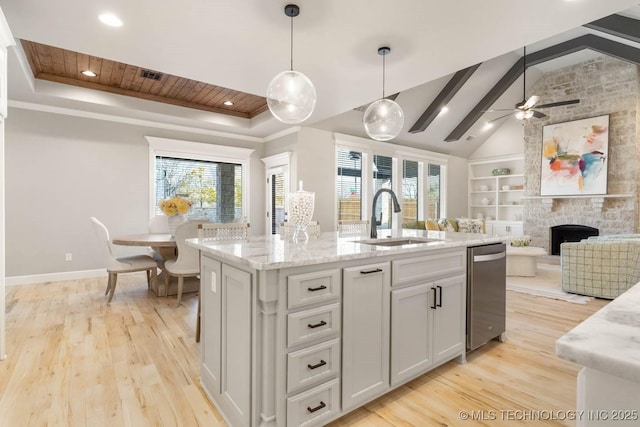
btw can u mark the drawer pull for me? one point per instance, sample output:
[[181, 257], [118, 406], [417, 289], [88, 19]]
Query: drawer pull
[[440, 296], [317, 408], [435, 296], [319, 288], [317, 325], [375, 270], [316, 366]]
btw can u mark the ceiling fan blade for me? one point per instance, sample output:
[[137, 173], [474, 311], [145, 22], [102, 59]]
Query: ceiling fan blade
[[559, 103], [538, 114], [530, 102], [493, 111], [498, 118]]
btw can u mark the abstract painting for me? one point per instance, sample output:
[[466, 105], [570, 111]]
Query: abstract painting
[[574, 157]]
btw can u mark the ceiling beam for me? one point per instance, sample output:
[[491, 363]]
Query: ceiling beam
[[443, 98], [617, 25], [588, 41]]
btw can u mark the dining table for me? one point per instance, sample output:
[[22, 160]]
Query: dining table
[[165, 245]]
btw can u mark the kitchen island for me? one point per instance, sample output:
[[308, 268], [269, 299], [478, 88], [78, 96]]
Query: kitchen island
[[303, 333], [607, 345]]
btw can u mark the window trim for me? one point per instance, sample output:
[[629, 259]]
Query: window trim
[[369, 148], [189, 150]]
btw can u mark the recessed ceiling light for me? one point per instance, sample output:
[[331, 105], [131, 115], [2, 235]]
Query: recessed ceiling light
[[444, 109], [487, 126], [110, 19], [228, 103], [88, 73]]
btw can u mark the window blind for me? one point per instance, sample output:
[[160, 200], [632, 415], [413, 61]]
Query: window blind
[[349, 185]]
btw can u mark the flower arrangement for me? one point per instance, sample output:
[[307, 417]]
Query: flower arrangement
[[520, 242], [175, 206]]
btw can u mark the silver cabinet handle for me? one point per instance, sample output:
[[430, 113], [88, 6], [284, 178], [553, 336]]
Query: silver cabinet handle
[[490, 257]]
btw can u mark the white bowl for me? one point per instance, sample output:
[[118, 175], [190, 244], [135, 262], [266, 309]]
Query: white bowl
[[506, 187]]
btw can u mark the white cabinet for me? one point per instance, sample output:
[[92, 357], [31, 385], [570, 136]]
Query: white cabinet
[[504, 228], [427, 326], [365, 343], [226, 346], [496, 187]]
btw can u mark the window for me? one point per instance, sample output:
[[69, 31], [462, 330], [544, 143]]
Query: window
[[215, 189], [349, 185], [213, 177], [415, 176]]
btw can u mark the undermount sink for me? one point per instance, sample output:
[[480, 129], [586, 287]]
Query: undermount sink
[[398, 241]]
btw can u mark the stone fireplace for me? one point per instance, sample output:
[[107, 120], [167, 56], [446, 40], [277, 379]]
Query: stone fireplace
[[568, 233], [604, 85]]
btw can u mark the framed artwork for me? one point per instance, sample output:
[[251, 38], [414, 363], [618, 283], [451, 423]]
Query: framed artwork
[[574, 157]]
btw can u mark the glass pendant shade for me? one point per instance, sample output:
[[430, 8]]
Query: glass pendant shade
[[383, 119], [291, 97]]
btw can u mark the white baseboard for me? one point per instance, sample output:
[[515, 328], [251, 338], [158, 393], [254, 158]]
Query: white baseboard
[[54, 277]]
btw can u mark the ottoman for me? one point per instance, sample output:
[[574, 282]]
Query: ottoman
[[522, 260]]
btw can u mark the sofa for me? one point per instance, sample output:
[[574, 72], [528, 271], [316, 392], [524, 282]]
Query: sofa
[[465, 225], [601, 267]]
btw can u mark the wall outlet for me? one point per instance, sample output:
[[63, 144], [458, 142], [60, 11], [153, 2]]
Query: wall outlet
[[68, 257]]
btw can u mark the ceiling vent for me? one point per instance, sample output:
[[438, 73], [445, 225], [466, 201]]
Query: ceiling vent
[[150, 75], [471, 137]]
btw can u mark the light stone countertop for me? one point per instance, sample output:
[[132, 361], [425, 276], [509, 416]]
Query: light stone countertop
[[609, 340], [271, 252]]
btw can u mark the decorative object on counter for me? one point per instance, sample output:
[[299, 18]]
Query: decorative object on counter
[[300, 212], [383, 119], [485, 201], [291, 96], [506, 187], [175, 208], [501, 171], [520, 242], [288, 229], [226, 231], [484, 187]]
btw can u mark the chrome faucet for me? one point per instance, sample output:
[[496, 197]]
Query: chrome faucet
[[396, 209]]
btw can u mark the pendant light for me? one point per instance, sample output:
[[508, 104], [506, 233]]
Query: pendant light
[[384, 118], [291, 96]]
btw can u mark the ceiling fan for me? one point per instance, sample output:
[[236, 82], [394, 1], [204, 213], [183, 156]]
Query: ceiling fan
[[525, 108]]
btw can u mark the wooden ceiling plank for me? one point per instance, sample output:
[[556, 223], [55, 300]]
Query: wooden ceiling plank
[[211, 95], [168, 84], [177, 87], [104, 74], [44, 56], [128, 77], [203, 93], [95, 65], [70, 64], [32, 56], [195, 91], [117, 74], [138, 80], [57, 59], [82, 63], [186, 90], [221, 96], [157, 85], [442, 99], [147, 84]]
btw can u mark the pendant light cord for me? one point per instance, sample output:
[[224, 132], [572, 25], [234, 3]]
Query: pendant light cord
[[291, 54], [524, 75], [383, 73]]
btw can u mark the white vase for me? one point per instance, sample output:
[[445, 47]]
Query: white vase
[[300, 213], [174, 221]]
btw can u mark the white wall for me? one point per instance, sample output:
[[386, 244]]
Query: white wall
[[457, 187], [60, 170], [507, 140]]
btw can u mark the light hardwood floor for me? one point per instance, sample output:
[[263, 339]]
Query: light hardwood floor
[[74, 361]]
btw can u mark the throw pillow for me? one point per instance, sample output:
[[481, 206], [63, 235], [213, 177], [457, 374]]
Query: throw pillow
[[432, 225], [445, 225], [467, 225]]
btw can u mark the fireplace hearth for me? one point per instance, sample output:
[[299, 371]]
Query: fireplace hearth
[[568, 233]]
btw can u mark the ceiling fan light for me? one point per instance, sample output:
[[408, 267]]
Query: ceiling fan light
[[524, 114], [291, 97], [383, 120]]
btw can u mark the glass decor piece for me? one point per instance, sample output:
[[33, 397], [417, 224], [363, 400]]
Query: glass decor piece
[[300, 212]]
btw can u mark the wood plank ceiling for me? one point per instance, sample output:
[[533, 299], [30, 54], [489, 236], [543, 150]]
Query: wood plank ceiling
[[65, 66]]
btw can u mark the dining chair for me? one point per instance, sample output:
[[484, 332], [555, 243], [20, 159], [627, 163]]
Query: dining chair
[[353, 227], [127, 264], [220, 232], [187, 264]]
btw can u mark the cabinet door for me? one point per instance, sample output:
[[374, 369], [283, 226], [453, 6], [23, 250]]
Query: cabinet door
[[235, 337], [411, 326], [365, 343], [449, 318], [210, 323]]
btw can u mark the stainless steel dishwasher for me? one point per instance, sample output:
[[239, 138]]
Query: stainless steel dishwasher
[[486, 293]]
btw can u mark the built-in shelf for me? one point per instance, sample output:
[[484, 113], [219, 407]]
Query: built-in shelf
[[502, 191]]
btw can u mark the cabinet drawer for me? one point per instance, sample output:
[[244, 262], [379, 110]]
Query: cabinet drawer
[[319, 286], [312, 324], [313, 365], [312, 407], [428, 267]]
